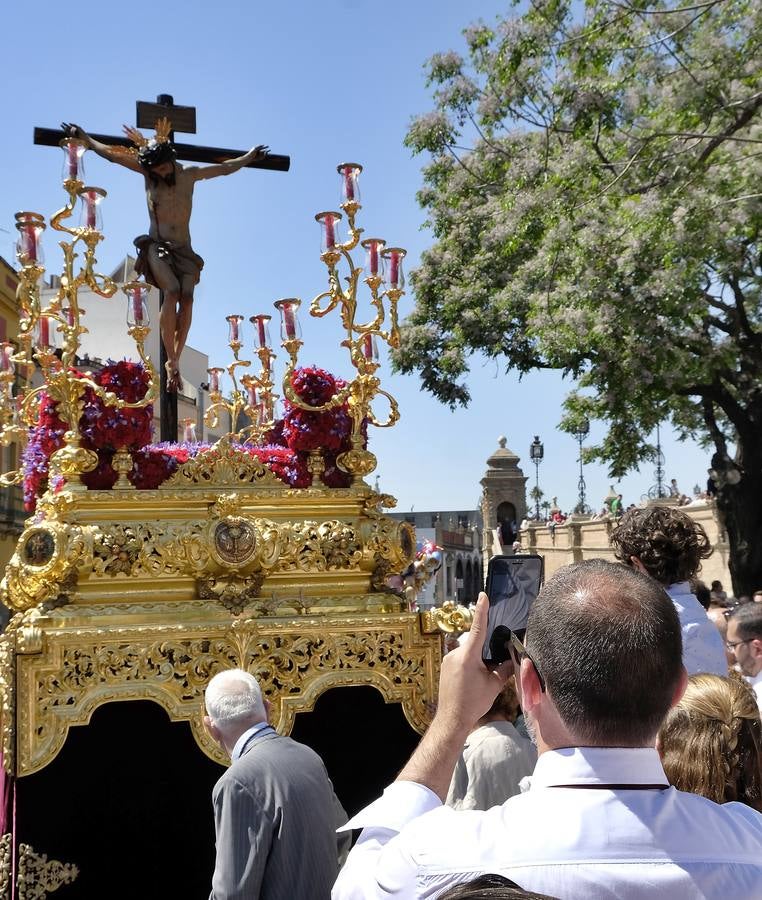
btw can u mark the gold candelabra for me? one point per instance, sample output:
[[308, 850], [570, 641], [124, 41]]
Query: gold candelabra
[[39, 327], [385, 282], [254, 396]]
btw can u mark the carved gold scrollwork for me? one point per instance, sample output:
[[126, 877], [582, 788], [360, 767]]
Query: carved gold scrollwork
[[8, 701], [224, 467], [117, 549], [6, 866], [44, 567], [389, 543], [294, 659], [235, 593], [449, 618], [38, 876]]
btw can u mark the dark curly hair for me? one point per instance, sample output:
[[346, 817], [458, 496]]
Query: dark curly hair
[[668, 542]]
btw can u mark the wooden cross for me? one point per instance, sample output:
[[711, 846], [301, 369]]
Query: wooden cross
[[183, 119]]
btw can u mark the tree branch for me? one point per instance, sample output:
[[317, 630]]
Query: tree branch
[[714, 429], [740, 308], [746, 116], [665, 12]]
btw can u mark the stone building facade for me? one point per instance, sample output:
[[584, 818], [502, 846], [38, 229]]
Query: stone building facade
[[504, 499], [459, 534]]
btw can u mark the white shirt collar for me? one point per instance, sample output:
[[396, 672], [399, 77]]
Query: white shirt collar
[[244, 739], [598, 765]]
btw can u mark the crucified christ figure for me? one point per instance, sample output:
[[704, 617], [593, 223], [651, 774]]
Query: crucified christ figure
[[165, 256]]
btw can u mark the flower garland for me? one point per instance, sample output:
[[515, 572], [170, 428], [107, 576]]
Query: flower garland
[[106, 429]]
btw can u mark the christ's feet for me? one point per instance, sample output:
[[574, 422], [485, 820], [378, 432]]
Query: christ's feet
[[174, 379]]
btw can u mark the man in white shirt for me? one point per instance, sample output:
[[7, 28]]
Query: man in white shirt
[[668, 545], [745, 641], [601, 669]]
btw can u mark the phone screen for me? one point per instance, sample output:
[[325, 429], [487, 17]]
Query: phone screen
[[513, 583]]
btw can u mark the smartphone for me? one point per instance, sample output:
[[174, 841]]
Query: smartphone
[[513, 583]]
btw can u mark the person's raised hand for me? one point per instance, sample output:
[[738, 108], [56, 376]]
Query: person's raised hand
[[466, 686]]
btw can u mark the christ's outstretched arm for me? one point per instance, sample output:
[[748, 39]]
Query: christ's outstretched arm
[[114, 154], [230, 165]]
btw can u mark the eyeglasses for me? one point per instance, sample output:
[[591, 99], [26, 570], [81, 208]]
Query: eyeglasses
[[521, 651], [731, 645]]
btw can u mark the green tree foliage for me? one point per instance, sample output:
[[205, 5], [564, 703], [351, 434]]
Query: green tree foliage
[[594, 195]]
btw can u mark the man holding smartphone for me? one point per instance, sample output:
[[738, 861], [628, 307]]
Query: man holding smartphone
[[601, 668]]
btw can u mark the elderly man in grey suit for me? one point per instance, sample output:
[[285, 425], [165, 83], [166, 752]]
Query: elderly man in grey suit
[[275, 811]]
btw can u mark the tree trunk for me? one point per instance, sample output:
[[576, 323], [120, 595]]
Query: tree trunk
[[739, 503]]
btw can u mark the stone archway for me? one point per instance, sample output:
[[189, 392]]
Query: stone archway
[[506, 523]]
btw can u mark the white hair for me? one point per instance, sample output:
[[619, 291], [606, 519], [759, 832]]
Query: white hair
[[233, 698]]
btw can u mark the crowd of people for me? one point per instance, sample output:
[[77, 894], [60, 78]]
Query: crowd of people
[[613, 506], [643, 776]]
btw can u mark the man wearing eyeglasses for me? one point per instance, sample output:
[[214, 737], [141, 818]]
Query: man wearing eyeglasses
[[600, 668], [745, 641]]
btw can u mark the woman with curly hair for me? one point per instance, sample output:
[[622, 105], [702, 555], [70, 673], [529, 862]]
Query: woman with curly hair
[[668, 545], [710, 742]]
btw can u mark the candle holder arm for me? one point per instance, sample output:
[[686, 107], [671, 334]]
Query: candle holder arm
[[73, 189], [335, 295], [394, 411], [291, 395]]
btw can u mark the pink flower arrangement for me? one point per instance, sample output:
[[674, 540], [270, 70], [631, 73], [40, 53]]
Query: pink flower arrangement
[[106, 429]]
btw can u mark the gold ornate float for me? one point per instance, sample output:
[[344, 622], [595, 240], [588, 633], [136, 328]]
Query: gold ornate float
[[128, 593]]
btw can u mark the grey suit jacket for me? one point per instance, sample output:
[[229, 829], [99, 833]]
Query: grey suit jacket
[[276, 816]]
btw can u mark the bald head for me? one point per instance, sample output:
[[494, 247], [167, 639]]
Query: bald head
[[607, 641]]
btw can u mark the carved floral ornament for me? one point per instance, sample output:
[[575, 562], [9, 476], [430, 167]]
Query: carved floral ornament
[[295, 661], [224, 546]]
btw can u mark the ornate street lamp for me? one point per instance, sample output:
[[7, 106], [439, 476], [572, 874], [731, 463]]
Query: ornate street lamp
[[580, 433], [536, 454], [658, 491]]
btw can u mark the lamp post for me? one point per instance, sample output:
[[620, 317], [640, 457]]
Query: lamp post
[[536, 454], [581, 432], [658, 491]]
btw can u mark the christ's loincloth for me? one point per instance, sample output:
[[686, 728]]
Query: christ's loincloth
[[181, 258]]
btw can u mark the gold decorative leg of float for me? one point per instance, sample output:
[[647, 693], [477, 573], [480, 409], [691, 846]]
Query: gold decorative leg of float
[[6, 866], [38, 875]]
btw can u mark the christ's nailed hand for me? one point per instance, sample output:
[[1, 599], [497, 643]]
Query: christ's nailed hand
[[71, 130]]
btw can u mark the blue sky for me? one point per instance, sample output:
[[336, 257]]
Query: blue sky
[[325, 83]]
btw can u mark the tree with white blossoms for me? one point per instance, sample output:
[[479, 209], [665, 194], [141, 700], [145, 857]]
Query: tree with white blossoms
[[594, 195]]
